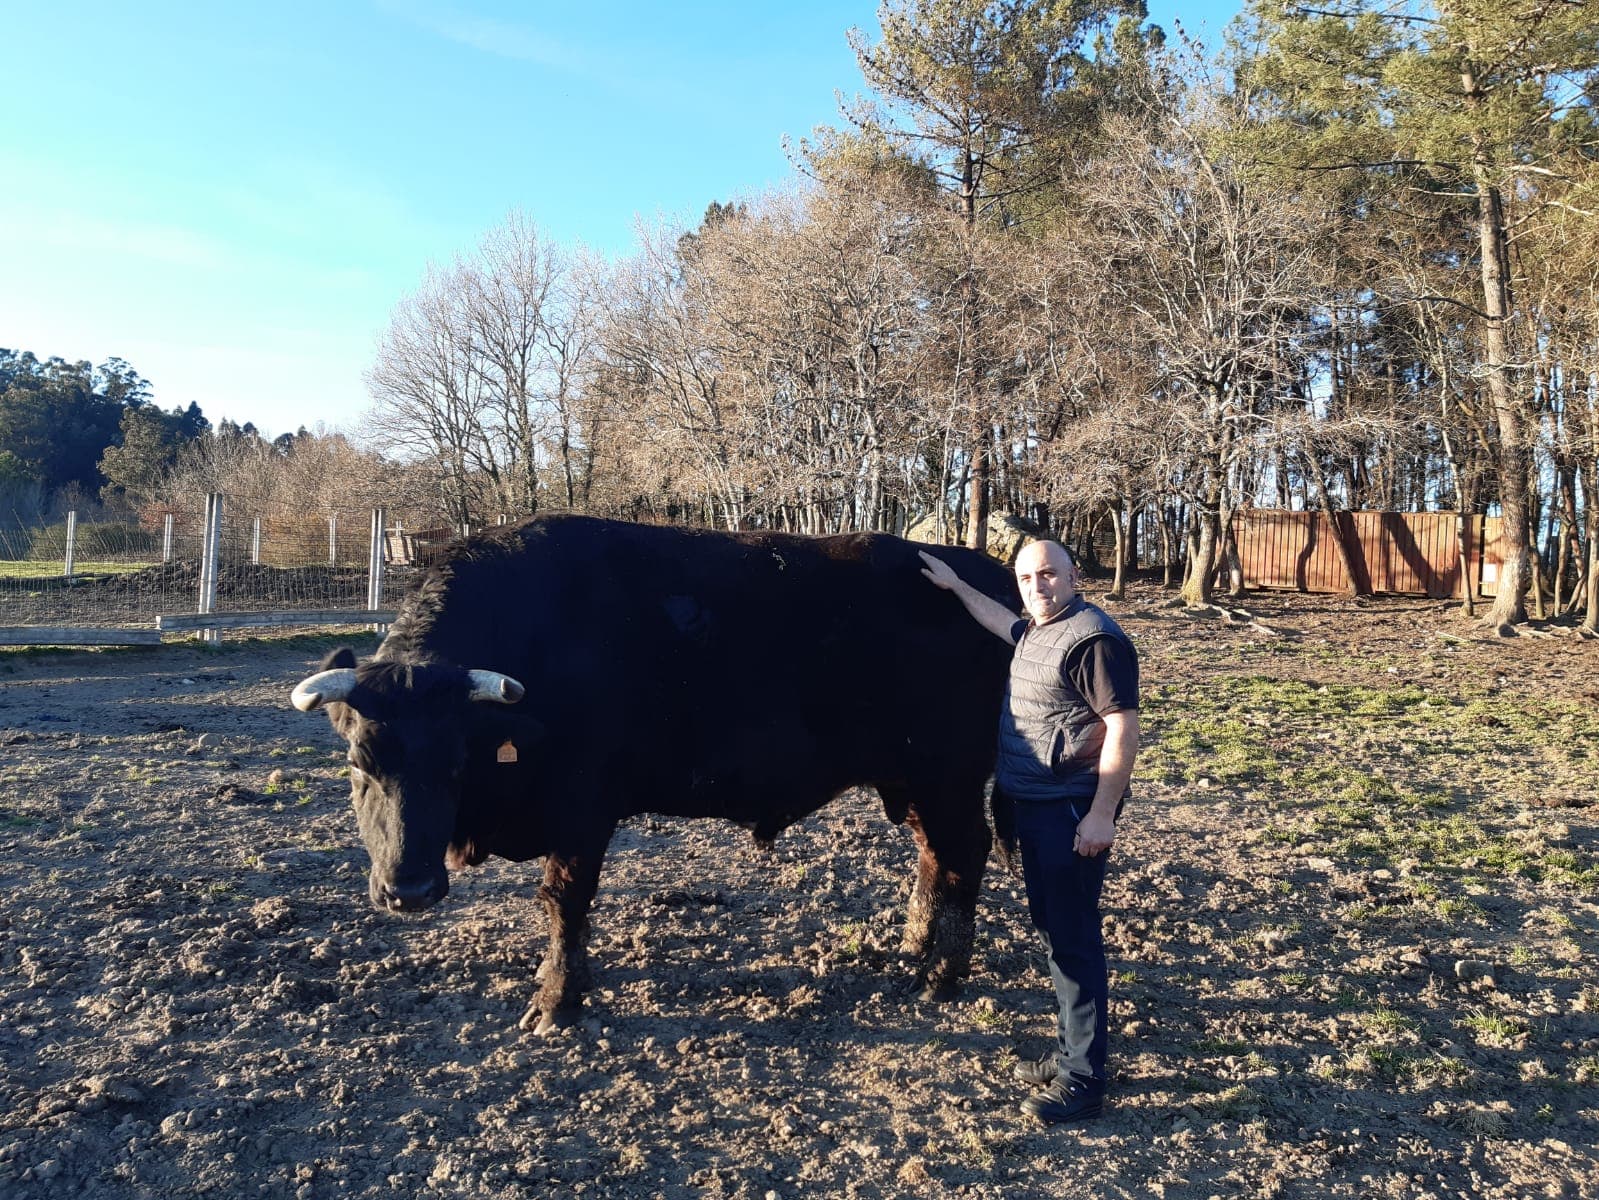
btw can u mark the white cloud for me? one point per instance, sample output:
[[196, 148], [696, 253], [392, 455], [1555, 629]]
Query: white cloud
[[169, 245], [491, 36]]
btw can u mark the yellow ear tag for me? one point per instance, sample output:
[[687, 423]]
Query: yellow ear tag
[[506, 753]]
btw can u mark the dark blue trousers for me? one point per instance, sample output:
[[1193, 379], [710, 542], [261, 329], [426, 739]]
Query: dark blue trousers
[[1063, 891]]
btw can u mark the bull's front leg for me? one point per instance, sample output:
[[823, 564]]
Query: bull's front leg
[[570, 881], [918, 939]]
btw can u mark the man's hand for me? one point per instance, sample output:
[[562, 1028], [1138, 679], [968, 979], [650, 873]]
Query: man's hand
[[1095, 832], [990, 614], [939, 572]]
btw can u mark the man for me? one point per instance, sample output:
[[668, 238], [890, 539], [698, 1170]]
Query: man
[[1068, 736]]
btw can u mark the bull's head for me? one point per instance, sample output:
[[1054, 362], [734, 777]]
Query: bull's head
[[410, 729]]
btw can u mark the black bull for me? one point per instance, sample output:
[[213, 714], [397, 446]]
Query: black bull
[[631, 669]]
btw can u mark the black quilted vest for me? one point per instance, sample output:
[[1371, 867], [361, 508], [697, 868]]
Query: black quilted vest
[[1049, 739]]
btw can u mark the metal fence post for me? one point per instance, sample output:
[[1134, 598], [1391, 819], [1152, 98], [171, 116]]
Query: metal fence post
[[333, 539], [374, 567], [166, 539], [255, 542], [72, 541], [210, 553]]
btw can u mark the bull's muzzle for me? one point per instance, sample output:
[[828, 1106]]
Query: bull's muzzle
[[409, 895]]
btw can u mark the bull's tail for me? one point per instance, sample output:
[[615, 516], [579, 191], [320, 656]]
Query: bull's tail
[[1003, 809]]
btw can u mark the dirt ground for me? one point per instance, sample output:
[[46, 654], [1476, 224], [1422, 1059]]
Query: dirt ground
[[1354, 953]]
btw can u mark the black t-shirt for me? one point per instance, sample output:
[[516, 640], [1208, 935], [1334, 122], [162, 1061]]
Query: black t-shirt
[[1103, 669]]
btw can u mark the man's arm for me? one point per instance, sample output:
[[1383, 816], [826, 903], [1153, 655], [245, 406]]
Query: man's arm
[[990, 614], [1097, 830]]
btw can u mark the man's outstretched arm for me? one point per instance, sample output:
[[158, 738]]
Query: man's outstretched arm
[[990, 614]]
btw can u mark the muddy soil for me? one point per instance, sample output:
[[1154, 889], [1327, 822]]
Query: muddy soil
[[196, 998]]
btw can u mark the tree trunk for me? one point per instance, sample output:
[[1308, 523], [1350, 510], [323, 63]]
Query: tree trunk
[[1234, 564], [977, 507], [1340, 541], [1202, 555], [1165, 548], [1514, 457], [1590, 479], [1468, 599], [1118, 586]]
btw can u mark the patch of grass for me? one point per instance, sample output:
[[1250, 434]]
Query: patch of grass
[[1389, 1024], [1357, 913], [991, 1019], [1455, 910], [975, 1150], [851, 937], [1226, 751], [1237, 1103], [1439, 1072], [1495, 1030], [630, 1160], [1347, 998], [1554, 918], [1219, 1045]]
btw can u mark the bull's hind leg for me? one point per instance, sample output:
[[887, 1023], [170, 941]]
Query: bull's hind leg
[[952, 841], [570, 881]]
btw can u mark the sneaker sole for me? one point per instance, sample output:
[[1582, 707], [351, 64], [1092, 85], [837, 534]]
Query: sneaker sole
[[1059, 1118]]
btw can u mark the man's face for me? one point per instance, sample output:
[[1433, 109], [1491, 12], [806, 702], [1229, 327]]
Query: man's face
[[1047, 579]]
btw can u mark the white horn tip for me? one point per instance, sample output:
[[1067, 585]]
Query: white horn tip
[[495, 687], [322, 688]]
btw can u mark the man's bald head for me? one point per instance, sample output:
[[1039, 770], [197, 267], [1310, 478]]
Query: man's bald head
[[1047, 578]]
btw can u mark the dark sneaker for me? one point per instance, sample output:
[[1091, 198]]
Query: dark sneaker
[[1037, 1072], [1065, 1100]]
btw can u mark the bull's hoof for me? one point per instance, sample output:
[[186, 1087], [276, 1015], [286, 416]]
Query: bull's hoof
[[541, 1023], [936, 992]]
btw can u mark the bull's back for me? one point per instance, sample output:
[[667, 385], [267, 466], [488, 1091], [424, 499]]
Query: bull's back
[[746, 647]]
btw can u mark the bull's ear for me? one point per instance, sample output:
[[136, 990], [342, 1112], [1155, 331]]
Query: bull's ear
[[341, 716], [343, 719], [342, 658]]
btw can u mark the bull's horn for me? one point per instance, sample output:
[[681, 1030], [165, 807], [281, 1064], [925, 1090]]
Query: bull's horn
[[491, 685], [323, 688]]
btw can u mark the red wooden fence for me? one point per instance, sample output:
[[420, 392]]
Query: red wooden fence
[[1399, 553]]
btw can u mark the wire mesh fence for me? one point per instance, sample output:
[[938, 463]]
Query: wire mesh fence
[[128, 573]]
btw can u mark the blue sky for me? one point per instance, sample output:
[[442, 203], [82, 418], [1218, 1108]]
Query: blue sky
[[233, 197]]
